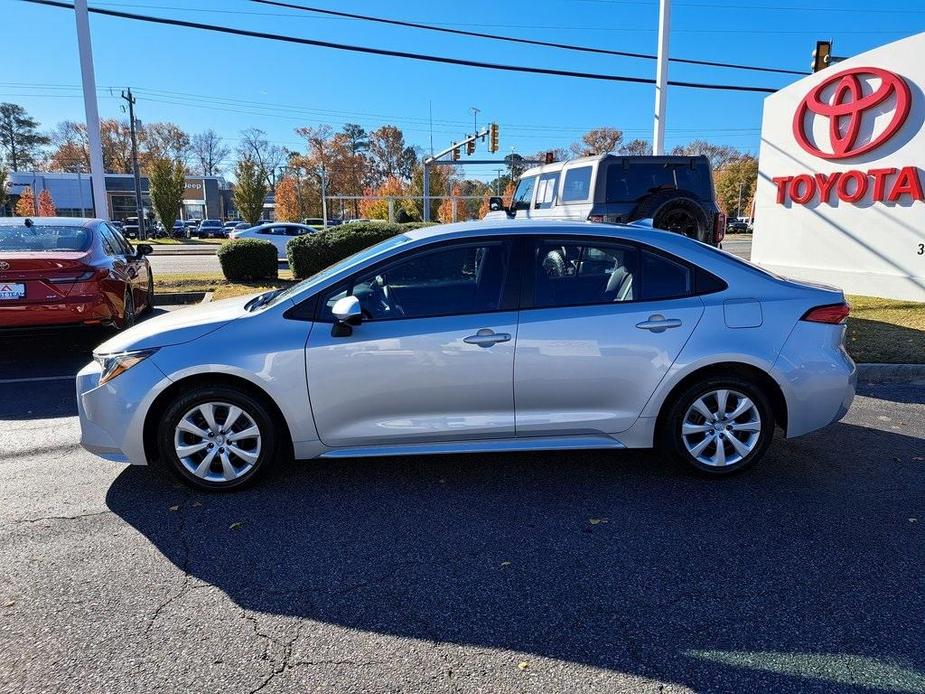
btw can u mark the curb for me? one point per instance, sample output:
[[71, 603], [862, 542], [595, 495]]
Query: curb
[[189, 250], [179, 298], [892, 373]]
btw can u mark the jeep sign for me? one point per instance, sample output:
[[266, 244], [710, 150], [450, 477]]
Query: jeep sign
[[841, 186]]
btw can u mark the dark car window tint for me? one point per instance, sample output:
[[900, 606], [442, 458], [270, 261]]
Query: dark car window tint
[[124, 246], [109, 242], [547, 190], [664, 278], [41, 237], [523, 195], [577, 184], [630, 182], [570, 273], [451, 281]]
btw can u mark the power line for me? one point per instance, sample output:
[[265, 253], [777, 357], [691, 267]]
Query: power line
[[401, 54], [515, 39], [784, 8]]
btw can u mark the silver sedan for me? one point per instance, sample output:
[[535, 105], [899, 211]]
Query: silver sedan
[[490, 336], [277, 233]]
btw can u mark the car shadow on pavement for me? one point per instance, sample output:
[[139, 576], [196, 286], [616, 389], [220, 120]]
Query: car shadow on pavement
[[803, 574]]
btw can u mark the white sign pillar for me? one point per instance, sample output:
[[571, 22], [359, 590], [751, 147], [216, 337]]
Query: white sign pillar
[[92, 111], [661, 76]]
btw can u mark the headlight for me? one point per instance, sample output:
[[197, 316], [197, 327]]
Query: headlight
[[115, 364]]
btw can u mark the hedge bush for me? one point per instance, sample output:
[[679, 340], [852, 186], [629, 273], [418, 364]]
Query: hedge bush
[[248, 259], [313, 252]]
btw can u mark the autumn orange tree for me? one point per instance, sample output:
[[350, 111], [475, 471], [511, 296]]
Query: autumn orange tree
[[25, 206], [287, 201], [509, 194], [378, 207], [46, 205], [484, 208]]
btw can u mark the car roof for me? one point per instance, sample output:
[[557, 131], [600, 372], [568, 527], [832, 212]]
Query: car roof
[[86, 222]]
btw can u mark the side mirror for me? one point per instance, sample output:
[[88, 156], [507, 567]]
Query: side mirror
[[495, 204], [143, 249], [347, 312]]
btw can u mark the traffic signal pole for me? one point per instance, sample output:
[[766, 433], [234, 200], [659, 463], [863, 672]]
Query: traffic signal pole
[[491, 131], [661, 77]]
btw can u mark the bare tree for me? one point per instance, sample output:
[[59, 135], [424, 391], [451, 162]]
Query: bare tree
[[636, 148], [165, 141], [209, 153], [598, 141], [256, 148], [719, 155]]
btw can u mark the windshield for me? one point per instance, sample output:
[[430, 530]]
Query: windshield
[[41, 237], [211, 223], [331, 270]]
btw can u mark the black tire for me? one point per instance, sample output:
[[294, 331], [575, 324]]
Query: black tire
[[186, 402], [676, 211], [671, 440], [149, 295], [128, 311]]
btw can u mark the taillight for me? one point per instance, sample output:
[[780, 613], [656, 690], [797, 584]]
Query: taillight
[[69, 279], [719, 228], [596, 218], [832, 313]]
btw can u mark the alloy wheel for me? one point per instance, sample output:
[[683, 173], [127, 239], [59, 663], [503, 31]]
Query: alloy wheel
[[721, 428], [217, 441]]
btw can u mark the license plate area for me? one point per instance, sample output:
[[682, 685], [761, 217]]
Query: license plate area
[[11, 291]]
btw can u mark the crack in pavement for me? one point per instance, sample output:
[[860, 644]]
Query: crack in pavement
[[281, 667], [61, 518], [184, 567]]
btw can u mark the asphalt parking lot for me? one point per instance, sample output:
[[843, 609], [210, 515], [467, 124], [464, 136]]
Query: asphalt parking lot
[[565, 572]]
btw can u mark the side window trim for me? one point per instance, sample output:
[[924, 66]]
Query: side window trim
[[511, 291]]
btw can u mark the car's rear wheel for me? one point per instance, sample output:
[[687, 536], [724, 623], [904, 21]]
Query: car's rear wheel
[[128, 311], [217, 438], [719, 426]]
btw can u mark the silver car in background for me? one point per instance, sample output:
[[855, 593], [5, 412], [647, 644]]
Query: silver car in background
[[486, 336], [277, 233]]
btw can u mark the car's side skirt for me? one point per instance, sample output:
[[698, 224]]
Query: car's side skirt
[[531, 443]]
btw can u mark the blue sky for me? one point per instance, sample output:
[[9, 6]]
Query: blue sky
[[203, 80]]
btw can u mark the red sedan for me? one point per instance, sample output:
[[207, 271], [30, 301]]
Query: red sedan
[[67, 271]]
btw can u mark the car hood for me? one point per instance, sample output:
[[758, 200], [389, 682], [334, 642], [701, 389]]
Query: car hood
[[177, 327]]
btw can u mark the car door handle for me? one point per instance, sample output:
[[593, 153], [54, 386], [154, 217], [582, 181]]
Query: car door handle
[[486, 337], [657, 323]]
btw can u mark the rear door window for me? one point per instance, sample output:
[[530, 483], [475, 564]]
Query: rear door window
[[664, 278], [577, 185]]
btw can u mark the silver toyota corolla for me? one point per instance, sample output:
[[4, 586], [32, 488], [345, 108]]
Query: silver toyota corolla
[[491, 336]]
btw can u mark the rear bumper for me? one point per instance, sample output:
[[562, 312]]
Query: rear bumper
[[80, 310], [819, 384]]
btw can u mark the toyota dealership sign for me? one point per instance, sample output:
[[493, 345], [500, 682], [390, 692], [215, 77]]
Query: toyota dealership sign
[[840, 187]]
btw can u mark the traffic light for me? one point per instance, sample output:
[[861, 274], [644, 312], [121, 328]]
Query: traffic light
[[493, 138], [455, 154], [470, 148], [822, 56]]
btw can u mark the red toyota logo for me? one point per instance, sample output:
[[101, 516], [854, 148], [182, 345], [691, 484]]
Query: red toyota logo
[[845, 107]]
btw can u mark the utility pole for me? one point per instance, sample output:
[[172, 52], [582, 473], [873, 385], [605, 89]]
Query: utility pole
[[139, 208], [661, 77], [426, 191], [739, 204], [97, 173], [324, 196]]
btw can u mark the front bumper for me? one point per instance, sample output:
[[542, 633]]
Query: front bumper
[[112, 415]]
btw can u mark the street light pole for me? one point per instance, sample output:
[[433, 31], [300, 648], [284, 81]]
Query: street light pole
[[97, 173], [661, 77]]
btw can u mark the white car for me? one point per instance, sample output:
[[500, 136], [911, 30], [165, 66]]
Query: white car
[[277, 233], [493, 336]]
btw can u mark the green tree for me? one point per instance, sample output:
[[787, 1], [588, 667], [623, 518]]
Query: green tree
[[439, 184], [19, 136], [735, 184], [167, 180], [250, 190]]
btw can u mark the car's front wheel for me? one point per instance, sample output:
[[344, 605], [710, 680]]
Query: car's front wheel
[[719, 425], [217, 438]]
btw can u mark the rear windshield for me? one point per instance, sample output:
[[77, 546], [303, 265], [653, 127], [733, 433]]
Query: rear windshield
[[211, 223], [628, 183], [41, 237]]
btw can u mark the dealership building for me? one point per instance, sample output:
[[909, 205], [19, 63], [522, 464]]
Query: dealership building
[[840, 182], [206, 197]]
